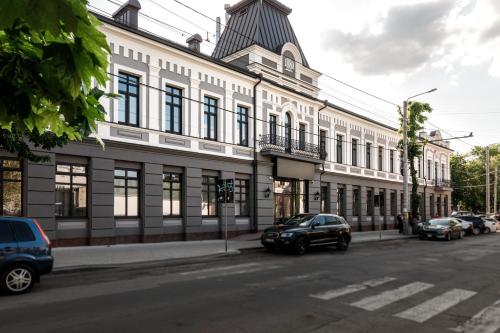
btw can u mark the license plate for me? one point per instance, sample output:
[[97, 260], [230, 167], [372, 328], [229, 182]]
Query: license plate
[[269, 240]]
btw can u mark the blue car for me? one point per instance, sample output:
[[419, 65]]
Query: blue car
[[25, 254]]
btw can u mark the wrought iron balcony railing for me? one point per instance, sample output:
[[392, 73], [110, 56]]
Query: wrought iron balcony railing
[[442, 182], [280, 144]]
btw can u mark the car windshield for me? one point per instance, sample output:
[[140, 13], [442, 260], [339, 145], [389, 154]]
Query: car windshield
[[439, 222], [300, 220]]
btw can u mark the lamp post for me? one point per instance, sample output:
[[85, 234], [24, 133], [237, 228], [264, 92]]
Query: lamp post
[[405, 158]]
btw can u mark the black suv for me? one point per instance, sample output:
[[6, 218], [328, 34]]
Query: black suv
[[478, 226], [305, 230]]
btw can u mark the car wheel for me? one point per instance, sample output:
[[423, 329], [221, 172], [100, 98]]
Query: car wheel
[[342, 243], [17, 279], [300, 246], [487, 230], [476, 231]]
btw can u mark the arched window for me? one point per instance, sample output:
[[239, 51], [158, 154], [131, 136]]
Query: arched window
[[288, 131]]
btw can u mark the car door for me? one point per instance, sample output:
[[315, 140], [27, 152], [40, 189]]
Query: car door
[[334, 227], [319, 231], [8, 244]]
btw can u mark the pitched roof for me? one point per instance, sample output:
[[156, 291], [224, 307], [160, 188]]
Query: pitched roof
[[261, 22]]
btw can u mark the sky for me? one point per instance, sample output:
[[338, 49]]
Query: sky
[[392, 49]]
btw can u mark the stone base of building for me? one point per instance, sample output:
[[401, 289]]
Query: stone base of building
[[131, 239]]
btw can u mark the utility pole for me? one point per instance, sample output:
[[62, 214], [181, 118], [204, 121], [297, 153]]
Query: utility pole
[[488, 211], [405, 160], [495, 197]]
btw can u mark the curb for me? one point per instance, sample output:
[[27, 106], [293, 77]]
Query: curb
[[147, 263]]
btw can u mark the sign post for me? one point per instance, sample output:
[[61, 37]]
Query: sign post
[[225, 195]]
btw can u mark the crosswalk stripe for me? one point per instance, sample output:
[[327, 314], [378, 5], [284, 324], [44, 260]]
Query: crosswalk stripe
[[485, 321], [331, 294], [387, 297], [219, 269], [237, 272], [436, 305]]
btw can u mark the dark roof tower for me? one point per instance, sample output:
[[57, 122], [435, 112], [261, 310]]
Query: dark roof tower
[[261, 22]]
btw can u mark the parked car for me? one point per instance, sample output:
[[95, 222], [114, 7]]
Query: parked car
[[25, 254], [490, 225], [308, 230], [467, 226], [477, 223], [442, 228]]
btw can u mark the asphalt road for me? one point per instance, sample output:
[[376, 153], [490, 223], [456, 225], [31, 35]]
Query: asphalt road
[[393, 286]]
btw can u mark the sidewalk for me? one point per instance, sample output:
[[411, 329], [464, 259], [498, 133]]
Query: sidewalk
[[86, 257]]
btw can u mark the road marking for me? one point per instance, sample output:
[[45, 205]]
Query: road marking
[[331, 294], [219, 269], [387, 297], [485, 321], [436, 305]]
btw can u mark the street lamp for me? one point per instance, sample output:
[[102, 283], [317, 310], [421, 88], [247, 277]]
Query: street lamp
[[405, 156]]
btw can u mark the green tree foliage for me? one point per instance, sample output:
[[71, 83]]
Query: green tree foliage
[[50, 54], [468, 177], [417, 115]]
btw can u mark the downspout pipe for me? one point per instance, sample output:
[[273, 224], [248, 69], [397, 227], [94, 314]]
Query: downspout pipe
[[255, 227]]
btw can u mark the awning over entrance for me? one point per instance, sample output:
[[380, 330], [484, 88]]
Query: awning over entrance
[[294, 169]]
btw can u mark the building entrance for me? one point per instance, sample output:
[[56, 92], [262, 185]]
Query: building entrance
[[290, 198]]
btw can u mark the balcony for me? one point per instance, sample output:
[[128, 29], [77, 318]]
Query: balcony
[[442, 184], [289, 148]]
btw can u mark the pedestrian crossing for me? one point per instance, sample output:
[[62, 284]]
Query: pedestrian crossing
[[485, 321], [383, 292]]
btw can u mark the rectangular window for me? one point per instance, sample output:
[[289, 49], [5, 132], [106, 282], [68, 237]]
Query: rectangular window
[[322, 143], [442, 172], [382, 202], [172, 194], [173, 110], [209, 196], [340, 202], [401, 162], [436, 176], [242, 119], [429, 175], [210, 118], [369, 202], [241, 190], [302, 136], [394, 203], [71, 190], [380, 158], [325, 199], [272, 129], [128, 104], [340, 140], [355, 202], [354, 152], [391, 157], [419, 170], [126, 193], [10, 187], [368, 155]]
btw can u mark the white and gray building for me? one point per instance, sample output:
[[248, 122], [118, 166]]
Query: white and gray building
[[249, 112]]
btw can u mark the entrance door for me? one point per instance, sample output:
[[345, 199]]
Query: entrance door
[[290, 198]]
